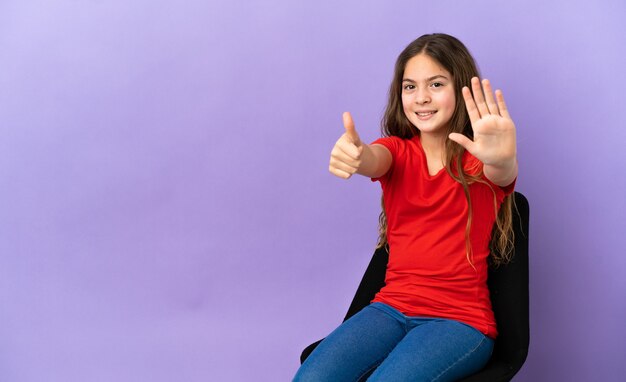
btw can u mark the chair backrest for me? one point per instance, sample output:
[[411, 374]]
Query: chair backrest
[[508, 288]]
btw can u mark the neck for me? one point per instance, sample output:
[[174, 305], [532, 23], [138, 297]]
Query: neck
[[433, 144]]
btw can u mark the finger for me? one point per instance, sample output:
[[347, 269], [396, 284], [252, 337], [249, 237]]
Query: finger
[[502, 105], [470, 105], [339, 173], [462, 140], [478, 97], [343, 166], [344, 157], [349, 149], [491, 102], [350, 129]]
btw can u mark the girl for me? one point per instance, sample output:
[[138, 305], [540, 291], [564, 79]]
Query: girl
[[446, 165]]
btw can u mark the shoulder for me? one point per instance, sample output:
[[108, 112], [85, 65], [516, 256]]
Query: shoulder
[[388, 141], [397, 145], [471, 164]]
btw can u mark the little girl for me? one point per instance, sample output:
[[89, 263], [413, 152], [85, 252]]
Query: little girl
[[447, 166]]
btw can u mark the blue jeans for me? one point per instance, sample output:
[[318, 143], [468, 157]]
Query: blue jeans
[[396, 347]]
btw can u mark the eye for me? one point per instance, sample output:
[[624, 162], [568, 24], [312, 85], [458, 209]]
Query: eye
[[436, 84], [408, 87]]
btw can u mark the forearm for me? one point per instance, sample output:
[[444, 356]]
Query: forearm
[[375, 161], [502, 174]]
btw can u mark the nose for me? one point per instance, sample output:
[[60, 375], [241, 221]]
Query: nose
[[422, 97]]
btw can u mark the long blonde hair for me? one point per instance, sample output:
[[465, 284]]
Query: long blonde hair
[[450, 53]]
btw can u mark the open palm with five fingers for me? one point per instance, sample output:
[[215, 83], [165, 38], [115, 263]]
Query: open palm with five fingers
[[494, 141]]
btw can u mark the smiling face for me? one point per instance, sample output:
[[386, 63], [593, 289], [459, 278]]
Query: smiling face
[[428, 95]]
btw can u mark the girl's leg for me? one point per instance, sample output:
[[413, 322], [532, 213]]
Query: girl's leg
[[356, 347], [437, 350]]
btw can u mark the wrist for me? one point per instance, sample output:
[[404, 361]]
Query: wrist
[[503, 173]]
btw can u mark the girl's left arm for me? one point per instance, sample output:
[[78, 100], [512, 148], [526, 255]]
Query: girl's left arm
[[494, 141]]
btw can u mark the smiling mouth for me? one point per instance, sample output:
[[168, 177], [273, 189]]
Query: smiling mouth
[[425, 114]]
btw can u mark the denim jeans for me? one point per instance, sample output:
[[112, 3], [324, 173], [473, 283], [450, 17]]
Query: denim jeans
[[395, 347]]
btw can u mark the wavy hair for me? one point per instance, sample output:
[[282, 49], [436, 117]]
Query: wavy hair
[[451, 54]]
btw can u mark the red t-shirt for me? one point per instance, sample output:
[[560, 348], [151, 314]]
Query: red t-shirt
[[428, 274]]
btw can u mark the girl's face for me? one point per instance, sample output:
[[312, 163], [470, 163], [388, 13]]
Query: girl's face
[[427, 95]]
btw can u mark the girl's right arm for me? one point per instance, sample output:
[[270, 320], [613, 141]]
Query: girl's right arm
[[350, 155]]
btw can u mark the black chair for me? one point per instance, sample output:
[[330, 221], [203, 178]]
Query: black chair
[[508, 287]]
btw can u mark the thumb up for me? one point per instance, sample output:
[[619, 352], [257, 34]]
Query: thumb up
[[351, 133], [345, 158]]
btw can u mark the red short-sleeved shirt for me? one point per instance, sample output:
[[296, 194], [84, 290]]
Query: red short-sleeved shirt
[[428, 272]]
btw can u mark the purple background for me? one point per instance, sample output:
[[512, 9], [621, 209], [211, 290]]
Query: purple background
[[166, 212]]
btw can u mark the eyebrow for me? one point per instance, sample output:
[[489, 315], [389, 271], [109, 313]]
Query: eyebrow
[[428, 79]]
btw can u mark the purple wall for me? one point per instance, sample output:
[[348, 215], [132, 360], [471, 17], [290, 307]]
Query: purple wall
[[166, 213]]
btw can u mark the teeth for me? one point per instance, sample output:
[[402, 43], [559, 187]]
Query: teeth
[[425, 114]]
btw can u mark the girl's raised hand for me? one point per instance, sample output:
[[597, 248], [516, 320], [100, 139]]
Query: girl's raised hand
[[494, 141], [345, 158]]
